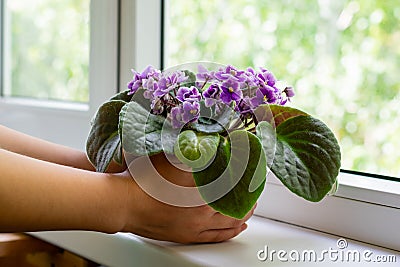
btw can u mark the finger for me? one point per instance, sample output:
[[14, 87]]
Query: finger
[[251, 213], [219, 235], [220, 221]]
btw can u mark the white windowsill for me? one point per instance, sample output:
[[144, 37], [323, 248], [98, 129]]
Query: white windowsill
[[26, 103], [366, 215], [129, 250], [363, 208], [368, 189]]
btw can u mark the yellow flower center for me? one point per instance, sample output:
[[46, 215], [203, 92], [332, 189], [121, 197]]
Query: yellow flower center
[[193, 111], [231, 90]]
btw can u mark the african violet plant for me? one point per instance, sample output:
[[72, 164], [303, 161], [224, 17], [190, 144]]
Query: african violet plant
[[226, 124]]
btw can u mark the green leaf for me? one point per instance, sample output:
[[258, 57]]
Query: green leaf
[[267, 136], [214, 123], [103, 139], [140, 99], [227, 185], [191, 81], [276, 114], [196, 149], [144, 133], [107, 152], [118, 153], [307, 155], [124, 96]]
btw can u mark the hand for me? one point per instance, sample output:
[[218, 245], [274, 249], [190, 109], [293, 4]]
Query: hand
[[151, 218]]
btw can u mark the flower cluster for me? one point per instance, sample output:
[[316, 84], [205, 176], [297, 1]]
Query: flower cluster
[[180, 95]]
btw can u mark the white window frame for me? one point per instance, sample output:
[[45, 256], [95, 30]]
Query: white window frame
[[364, 208], [140, 38], [51, 120]]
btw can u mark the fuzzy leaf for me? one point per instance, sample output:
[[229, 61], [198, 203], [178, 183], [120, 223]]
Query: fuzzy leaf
[[191, 81], [124, 96], [306, 155], [118, 153], [214, 123], [144, 133], [227, 185], [103, 139], [276, 114], [196, 149]]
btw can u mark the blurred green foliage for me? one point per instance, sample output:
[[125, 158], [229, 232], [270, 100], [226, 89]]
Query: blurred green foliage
[[47, 49], [342, 57]]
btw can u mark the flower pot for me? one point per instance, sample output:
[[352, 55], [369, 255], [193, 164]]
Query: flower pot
[[172, 169], [165, 178]]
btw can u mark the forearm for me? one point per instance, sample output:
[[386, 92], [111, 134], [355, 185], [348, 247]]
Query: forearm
[[27, 145], [37, 195], [40, 149], [40, 196]]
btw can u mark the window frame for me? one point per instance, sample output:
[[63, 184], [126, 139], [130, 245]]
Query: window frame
[[362, 202], [34, 116], [360, 205], [140, 44]]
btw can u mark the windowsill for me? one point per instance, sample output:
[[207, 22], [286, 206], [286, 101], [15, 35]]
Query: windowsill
[[53, 105], [365, 209], [126, 249], [368, 189]]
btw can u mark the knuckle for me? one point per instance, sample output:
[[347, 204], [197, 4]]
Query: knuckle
[[237, 223]]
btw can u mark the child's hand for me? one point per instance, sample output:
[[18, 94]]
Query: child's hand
[[151, 218]]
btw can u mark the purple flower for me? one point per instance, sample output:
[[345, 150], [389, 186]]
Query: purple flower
[[264, 94], [169, 83], [176, 117], [185, 113], [139, 79], [283, 101], [188, 94], [230, 91], [135, 84], [150, 71], [191, 111], [289, 91], [230, 73], [169, 95], [203, 76], [157, 106], [212, 95], [148, 94], [251, 78], [266, 77], [150, 85]]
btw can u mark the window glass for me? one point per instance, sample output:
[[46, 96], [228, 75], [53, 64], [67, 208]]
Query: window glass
[[46, 49], [342, 57]]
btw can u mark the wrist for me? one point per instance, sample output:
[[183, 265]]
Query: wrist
[[116, 202]]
